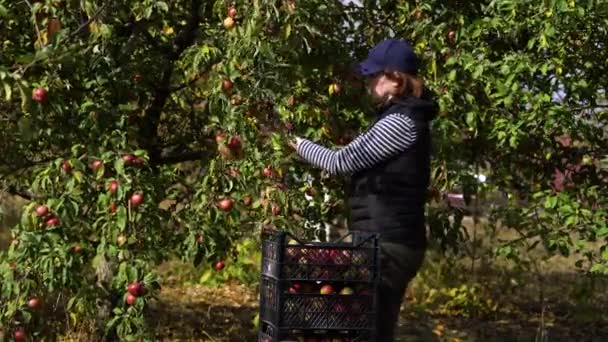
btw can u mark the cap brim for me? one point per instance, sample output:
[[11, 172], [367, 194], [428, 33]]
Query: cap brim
[[367, 68]]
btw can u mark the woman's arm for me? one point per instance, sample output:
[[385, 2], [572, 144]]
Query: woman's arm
[[389, 136]]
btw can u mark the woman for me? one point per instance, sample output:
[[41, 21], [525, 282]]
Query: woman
[[389, 169]]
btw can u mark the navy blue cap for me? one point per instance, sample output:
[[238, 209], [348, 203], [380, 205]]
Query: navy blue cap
[[390, 54]]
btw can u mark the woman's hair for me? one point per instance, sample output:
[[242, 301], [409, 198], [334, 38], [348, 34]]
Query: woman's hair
[[407, 84]]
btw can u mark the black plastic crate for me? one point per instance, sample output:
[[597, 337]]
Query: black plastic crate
[[285, 257], [316, 290], [268, 331]]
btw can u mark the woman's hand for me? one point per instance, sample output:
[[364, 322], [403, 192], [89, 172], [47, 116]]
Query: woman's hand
[[295, 143]]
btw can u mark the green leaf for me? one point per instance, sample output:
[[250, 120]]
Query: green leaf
[[8, 91], [550, 202], [206, 276], [119, 166], [121, 218]]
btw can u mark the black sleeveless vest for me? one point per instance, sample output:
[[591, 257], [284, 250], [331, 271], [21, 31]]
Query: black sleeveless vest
[[390, 197]]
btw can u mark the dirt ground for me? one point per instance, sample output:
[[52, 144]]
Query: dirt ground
[[198, 313]]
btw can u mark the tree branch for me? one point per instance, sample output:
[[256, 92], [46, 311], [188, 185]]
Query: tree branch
[[87, 23], [149, 128], [187, 84], [173, 157], [24, 165], [25, 194]]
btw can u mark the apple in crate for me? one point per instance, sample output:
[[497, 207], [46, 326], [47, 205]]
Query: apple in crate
[[351, 273], [364, 273], [339, 257], [326, 289], [295, 288], [340, 308], [359, 258], [347, 291], [292, 253]]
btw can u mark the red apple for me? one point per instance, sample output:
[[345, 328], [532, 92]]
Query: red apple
[[34, 303], [136, 199], [452, 36], [226, 204], [131, 299], [53, 221], [200, 239], [96, 164], [66, 166], [235, 142], [219, 266], [42, 210], [232, 12], [19, 334], [77, 249], [138, 78], [114, 187], [327, 289], [135, 289], [335, 256], [113, 207], [138, 161], [227, 85], [39, 95], [128, 159], [267, 172], [292, 290]]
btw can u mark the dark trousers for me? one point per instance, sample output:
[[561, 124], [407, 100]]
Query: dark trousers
[[399, 264]]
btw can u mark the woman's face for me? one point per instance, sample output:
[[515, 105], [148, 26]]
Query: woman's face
[[380, 86]]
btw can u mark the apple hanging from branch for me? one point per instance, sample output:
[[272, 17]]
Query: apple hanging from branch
[[229, 23], [219, 266], [232, 12], [19, 334], [131, 299], [42, 210], [39, 95], [136, 199], [227, 85], [66, 166], [226, 204], [113, 187], [34, 303]]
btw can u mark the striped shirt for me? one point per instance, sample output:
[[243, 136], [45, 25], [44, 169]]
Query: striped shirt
[[389, 136]]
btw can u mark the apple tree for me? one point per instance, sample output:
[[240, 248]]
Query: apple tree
[[146, 130]]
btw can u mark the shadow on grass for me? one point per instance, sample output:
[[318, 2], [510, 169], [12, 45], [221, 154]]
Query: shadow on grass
[[203, 322]]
